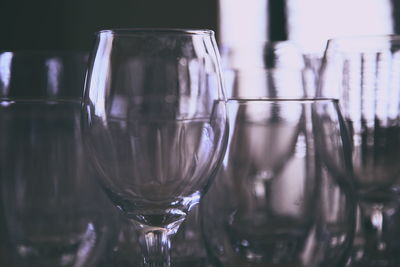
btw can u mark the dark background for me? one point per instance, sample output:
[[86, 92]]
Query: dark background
[[70, 24]]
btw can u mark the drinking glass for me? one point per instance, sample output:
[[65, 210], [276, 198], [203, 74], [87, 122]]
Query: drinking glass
[[364, 74], [48, 203], [155, 126], [273, 203]]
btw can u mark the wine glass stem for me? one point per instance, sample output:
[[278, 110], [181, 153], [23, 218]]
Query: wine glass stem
[[156, 248]]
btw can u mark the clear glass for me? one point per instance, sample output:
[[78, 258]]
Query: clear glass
[[187, 245], [273, 202], [49, 213], [364, 74], [155, 126]]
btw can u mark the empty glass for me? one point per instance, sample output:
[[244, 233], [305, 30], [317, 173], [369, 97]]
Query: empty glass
[[273, 203], [49, 204], [155, 126], [364, 74]]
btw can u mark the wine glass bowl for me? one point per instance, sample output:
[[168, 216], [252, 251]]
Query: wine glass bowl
[[265, 207], [48, 200], [162, 172], [363, 73], [155, 124], [34, 191]]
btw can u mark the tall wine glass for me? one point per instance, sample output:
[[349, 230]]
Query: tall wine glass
[[155, 126], [364, 74], [273, 203]]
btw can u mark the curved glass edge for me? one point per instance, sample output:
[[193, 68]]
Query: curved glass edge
[[152, 31], [362, 43], [271, 100]]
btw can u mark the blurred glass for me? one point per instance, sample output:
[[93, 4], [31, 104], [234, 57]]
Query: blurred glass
[[364, 74], [273, 203], [51, 209], [280, 71], [36, 75]]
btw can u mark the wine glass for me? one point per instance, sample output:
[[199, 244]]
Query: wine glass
[[155, 126], [273, 203], [363, 73], [48, 203]]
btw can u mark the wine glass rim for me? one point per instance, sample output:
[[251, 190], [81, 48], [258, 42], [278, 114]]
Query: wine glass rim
[[363, 39], [5, 101], [158, 31], [46, 53], [283, 100]]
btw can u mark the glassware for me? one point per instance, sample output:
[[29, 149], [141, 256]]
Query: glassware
[[187, 245], [155, 126], [48, 203], [363, 73], [273, 203]]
